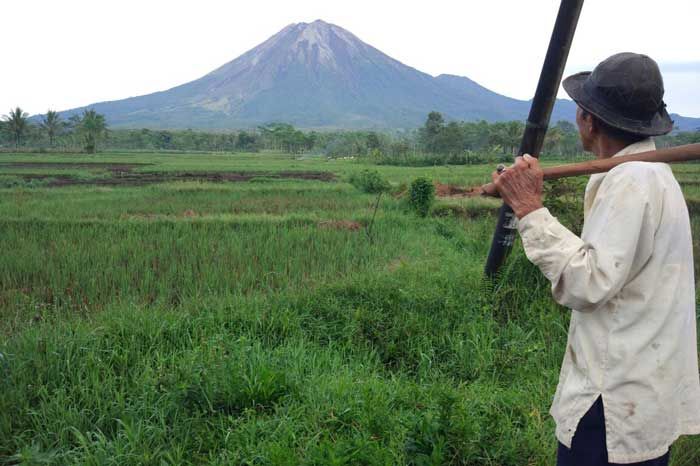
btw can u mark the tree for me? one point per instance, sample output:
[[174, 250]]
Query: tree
[[507, 135], [247, 141], [553, 141], [450, 140], [164, 140], [52, 124], [283, 136], [92, 128], [566, 126], [373, 141], [569, 143], [476, 135], [430, 132], [16, 123]]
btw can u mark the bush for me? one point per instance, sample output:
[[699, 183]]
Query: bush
[[421, 196], [369, 181], [564, 198]]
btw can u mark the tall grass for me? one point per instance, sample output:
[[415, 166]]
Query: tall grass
[[200, 323]]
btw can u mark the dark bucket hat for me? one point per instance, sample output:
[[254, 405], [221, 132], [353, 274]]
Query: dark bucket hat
[[625, 91]]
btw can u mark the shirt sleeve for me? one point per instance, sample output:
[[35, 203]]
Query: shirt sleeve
[[586, 274]]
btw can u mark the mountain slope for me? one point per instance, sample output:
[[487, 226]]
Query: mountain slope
[[315, 75]]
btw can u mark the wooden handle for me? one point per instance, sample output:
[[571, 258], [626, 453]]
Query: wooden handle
[[685, 153]]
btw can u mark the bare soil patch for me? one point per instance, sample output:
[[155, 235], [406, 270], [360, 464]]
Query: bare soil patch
[[123, 176], [340, 225], [449, 190]]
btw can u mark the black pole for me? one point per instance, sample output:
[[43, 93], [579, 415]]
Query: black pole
[[537, 121]]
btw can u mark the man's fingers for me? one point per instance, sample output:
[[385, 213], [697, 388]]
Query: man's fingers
[[520, 163], [532, 161]]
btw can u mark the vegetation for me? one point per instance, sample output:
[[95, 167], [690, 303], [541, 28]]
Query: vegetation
[[92, 127], [421, 195], [250, 323], [16, 125], [437, 142], [370, 181], [51, 123]]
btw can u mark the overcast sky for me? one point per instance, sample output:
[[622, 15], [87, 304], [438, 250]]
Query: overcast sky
[[70, 53]]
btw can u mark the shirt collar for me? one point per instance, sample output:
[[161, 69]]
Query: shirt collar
[[644, 145], [595, 180]]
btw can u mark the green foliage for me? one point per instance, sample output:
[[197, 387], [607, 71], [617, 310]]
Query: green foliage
[[286, 137], [369, 181], [92, 126], [679, 138], [223, 323], [564, 198], [346, 144], [16, 124], [421, 195], [52, 124], [434, 126], [437, 142]]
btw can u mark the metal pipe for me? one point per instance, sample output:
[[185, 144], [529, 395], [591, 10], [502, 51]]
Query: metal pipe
[[537, 121]]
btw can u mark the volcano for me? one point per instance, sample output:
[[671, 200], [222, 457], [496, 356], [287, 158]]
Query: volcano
[[315, 75]]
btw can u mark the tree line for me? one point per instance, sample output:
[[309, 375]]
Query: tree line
[[436, 142], [85, 131]]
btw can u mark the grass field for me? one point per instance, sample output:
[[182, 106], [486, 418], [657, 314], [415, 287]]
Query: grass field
[[231, 309]]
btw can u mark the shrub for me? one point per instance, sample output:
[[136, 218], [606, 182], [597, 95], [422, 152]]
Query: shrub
[[564, 198], [369, 181], [421, 195]]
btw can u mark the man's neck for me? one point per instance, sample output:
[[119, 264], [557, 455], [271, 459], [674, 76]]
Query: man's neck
[[605, 147]]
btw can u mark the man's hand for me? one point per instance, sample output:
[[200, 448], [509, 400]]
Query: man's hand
[[520, 185]]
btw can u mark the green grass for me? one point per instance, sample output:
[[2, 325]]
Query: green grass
[[235, 323]]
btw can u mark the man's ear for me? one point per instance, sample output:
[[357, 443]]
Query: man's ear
[[595, 125], [591, 123]]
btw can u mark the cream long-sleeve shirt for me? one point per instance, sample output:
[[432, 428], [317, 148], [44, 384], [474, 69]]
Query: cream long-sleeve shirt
[[630, 284]]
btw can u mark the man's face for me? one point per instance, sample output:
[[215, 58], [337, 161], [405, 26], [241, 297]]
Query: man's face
[[584, 124]]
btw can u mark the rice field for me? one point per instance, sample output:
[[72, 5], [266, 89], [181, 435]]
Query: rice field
[[173, 309]]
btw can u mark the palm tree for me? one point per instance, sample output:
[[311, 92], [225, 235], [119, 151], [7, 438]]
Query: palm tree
[[513, 134], [553, 140], [93, 127], [52, 124], [17, 124]]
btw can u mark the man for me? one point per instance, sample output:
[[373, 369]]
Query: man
[[629, 383]]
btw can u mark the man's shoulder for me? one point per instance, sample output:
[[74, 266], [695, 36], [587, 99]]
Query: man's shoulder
[[640, 172], [646, 182]]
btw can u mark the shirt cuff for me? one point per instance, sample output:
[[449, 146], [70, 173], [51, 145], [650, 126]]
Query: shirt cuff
[[533, 220], [547, 243]]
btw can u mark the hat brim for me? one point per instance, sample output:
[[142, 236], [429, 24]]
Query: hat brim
[[661, 123]]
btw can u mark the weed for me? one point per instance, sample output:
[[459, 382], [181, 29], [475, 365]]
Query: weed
[[421, 195]]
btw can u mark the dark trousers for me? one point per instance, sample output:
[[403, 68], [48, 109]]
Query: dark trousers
[[588, 446]]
